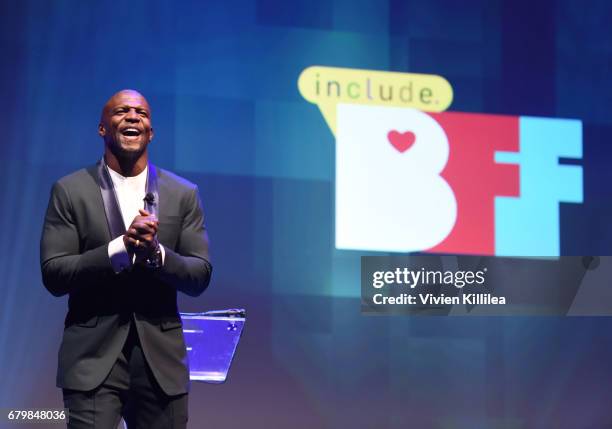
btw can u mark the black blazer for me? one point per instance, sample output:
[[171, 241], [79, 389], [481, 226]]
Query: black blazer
[[74, 260]]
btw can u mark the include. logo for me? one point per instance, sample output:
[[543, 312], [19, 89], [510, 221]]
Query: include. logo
[[411, 177]]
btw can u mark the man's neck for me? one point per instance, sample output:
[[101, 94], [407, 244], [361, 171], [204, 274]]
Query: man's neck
[[126, 167]]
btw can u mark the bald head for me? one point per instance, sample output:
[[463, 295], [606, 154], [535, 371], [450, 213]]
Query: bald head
[[122, 95], [125, 125]]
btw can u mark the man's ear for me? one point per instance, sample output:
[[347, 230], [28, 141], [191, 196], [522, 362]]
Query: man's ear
[[101, 130], [152, 134]]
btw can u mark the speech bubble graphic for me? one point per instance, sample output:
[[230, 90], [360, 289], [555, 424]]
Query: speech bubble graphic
[[329, 86]]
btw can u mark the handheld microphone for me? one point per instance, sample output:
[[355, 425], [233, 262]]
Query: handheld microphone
[[149, 198]]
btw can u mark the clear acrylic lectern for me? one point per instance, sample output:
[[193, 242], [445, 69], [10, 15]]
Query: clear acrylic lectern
[[211, 339]]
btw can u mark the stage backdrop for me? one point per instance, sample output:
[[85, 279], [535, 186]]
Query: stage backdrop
[[222, 78]]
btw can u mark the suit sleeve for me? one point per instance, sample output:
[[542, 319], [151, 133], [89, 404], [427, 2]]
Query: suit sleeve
[[188, 268], [64, 267]]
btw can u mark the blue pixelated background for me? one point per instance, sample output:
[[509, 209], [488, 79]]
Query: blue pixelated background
[[222, 81]]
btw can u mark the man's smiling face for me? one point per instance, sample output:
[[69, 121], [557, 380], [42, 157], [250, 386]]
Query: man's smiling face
[[125, 125]]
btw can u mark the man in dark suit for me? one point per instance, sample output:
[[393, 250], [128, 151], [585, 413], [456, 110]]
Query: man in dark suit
[[121, 238]]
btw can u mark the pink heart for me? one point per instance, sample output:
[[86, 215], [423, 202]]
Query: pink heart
[[401, 141]]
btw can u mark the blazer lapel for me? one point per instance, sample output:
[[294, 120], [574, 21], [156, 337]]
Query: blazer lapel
[[152, 191], [111, 206]]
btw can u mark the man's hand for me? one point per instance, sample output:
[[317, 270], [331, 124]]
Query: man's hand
[[141, 236]]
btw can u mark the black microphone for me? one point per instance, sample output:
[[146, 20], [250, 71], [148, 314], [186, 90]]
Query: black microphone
[[149, 198]]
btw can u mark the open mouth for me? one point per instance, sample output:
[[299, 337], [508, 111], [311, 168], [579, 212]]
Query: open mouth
[[131, 132]]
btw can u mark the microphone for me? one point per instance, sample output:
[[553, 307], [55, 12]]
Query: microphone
[[149, 198]]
